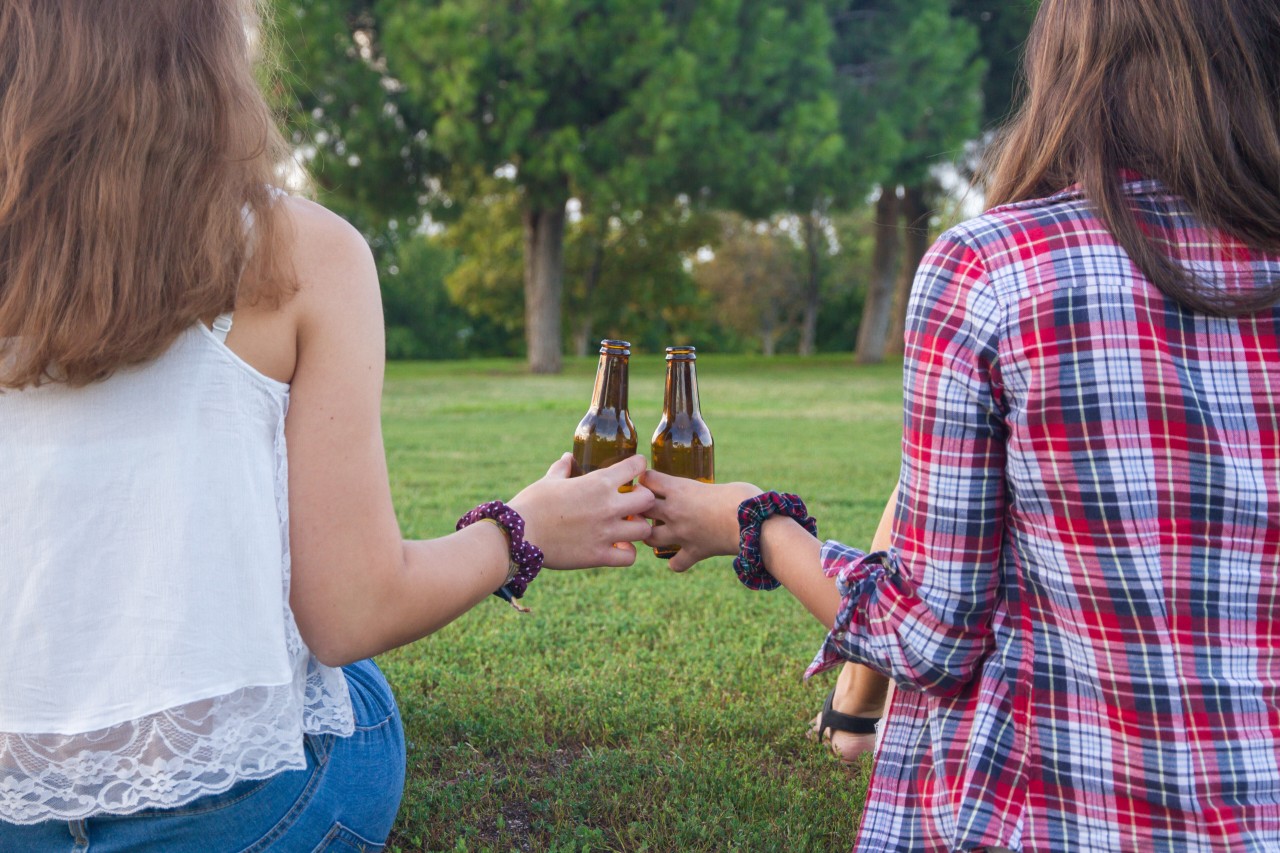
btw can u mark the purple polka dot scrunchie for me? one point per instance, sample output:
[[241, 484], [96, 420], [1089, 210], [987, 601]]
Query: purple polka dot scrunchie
[[525, 556]]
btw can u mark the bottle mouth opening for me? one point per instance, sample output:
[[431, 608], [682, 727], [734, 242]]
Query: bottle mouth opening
[[611, 347], [682, 353]]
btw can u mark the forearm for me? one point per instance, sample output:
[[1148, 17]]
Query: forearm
[[862, 690], [432, 583], [791, 555], [360, 589]]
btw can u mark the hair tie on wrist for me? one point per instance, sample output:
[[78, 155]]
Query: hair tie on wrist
[[525, 560], [749, 564]]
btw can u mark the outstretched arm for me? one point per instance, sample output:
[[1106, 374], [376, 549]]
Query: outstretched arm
[[358, 588], [921, 611], [703, 520]]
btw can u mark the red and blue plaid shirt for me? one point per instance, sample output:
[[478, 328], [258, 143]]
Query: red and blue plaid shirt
[[1082, 604]]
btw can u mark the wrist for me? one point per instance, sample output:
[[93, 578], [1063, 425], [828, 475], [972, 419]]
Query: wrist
[[512, 567], [525, 558], [772, 537], [734, 496], [752, 515]]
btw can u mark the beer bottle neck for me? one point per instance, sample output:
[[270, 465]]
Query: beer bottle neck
[[682, 389], [611, 384]]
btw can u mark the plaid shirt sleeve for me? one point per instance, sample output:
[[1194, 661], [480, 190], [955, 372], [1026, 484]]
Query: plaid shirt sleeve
[[921, 611]]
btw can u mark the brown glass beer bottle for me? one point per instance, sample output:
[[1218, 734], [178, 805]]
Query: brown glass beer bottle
[[682, 445], [605, 434]]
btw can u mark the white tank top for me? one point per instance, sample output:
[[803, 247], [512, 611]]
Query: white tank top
[[148, 655]]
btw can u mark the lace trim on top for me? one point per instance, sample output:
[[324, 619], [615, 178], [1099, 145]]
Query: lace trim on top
[[168, 759]]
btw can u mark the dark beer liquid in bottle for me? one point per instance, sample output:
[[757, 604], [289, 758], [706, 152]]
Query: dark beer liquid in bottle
[[606, 435], [682, 445]]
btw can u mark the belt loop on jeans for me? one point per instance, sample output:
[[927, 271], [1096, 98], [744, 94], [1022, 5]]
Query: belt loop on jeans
[[79, 833], [319, 746]]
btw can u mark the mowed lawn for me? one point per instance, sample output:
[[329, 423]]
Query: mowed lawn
[[635, 709]]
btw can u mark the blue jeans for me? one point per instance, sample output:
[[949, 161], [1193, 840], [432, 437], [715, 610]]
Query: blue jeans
[[345, 800]]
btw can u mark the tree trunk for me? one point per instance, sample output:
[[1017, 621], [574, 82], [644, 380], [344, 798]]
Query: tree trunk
[[915, 221], [873, 331], [543, 286], [769, 330], [812, 295], [582, 337]]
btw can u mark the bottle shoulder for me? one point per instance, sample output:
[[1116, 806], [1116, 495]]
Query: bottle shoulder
[[683, 430]]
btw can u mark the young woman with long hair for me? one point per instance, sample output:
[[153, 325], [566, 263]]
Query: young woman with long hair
[[1078, 606], [198, 549]]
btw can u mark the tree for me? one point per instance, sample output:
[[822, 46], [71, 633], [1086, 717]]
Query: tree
[[487, 237], [1001, 30], [919, 67], [422, 319], [873, 331], [916, 212], [904, 84], [625, 271], [614, 102], [753, 279], [355, 127], [840, 173], [628, 275]]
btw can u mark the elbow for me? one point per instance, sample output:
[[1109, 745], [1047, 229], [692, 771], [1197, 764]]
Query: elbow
[[944, 685], [338, 635], [331, 648], [350, 617], [947, 675], [334, 654]]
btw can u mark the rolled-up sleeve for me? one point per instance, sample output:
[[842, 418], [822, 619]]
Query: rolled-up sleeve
[[921, 611]]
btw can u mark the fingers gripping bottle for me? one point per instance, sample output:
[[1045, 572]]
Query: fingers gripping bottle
[[682, 445], [606, 435]]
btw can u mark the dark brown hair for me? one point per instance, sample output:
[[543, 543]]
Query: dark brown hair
[[1184, 91], [133, 139]]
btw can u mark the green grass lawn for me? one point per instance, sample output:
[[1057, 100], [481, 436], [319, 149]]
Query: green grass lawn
[[635, 709]]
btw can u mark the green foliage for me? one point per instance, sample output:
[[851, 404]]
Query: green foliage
[[767, 111], [646, 113], [1002, 29], [578, 96], [488, 238], [628, 274], [357, 130], [623, 104], [908, 81], [634, 709], [422, 321], [625, 272], [753, 280], [845, 281]]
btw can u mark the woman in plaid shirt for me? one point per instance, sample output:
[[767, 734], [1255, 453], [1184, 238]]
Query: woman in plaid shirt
[[1081, 604]]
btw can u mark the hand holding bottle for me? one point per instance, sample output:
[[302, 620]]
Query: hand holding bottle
[[701, 519], [682, 445], [577, 521]]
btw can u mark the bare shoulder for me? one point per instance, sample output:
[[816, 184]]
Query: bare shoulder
[[338, 305], [337, 287], [331, 258]]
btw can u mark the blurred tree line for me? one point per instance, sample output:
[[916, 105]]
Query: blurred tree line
[[534, 175]]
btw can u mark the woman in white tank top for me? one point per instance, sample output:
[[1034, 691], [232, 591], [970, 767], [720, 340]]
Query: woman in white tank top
[[198, 550]]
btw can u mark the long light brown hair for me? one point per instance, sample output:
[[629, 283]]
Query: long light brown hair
[[133, 139], [1185, 91]]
